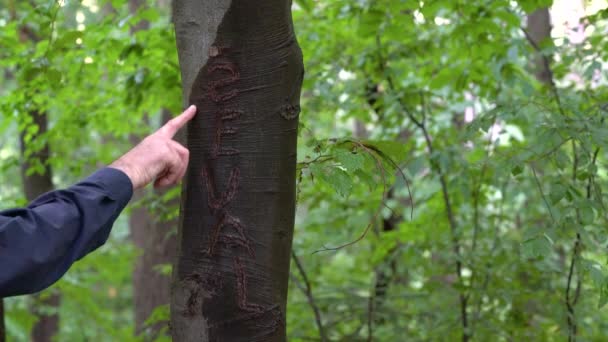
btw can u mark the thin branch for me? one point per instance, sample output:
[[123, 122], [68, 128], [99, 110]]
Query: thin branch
[[571, 301], [495, 242], [542, 193], [394, 165], [378, 211], [370, 318], [476, 194], [307, 290], [421, 124], [569, 305]]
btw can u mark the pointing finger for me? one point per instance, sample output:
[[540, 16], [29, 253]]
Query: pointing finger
[[175, 124]]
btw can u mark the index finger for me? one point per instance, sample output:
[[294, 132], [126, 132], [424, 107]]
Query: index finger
[[174, 125]]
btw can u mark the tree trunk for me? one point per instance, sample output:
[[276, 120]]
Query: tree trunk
[[241, 65], [151, 288], [539, 29], [35, 185]]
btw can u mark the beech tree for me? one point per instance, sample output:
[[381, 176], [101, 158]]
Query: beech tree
[[242, 66]]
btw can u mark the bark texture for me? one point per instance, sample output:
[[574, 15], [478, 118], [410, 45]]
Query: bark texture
[[241, 65], [35, 185]]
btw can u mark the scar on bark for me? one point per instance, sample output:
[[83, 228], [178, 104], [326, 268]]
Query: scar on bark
[[254, 311], [227, 196], [221, 131], [231, 240], [214, 86], [218, 50], [200, 286], [289, 111]]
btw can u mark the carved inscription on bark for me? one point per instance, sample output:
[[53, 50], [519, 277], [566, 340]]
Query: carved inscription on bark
[[228, 232]]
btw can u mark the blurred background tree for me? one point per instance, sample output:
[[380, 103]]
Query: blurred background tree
[[451, 164]]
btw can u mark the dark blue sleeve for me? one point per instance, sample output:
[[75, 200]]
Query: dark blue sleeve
[[39, 243]]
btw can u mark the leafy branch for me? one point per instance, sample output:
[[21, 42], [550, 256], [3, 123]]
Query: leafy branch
[[378, 157]]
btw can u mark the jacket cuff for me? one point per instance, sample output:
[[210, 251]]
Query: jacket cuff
[[116, 182]]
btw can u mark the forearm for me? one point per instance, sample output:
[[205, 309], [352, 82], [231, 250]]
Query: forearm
[[40, 242]]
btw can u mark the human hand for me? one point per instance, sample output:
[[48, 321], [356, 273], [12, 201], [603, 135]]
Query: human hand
[[158, 157]]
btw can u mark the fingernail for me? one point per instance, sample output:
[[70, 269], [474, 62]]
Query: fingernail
[[192, 107]]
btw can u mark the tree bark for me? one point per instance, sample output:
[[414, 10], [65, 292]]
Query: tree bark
[[241, 65], [35, 185]]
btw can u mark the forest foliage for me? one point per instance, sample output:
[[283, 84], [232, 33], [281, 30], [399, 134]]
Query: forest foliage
[[445, 191]]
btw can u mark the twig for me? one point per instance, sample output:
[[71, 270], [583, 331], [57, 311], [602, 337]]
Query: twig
[[542, 193], [376, 214], [486, 281], [370, 318], [421, 124], [476, 194], [571, 302], [307, 290], [569, 305]]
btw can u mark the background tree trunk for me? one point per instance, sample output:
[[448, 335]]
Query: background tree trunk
[[539, 29], [35, 185], [241, 65], [151, 288], [154, 238]]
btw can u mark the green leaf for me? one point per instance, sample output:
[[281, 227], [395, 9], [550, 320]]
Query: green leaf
[[306, 5], [558, 191], [367, 178], [586, 212], [352, 161], [159, 314], [537, 247], [54, 76], [589, 72], [149, 14], [603, 296], [370, 21], [516, 170], [335, 177], [562, 160], [340, 181], [599, 279], [395, 150]]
